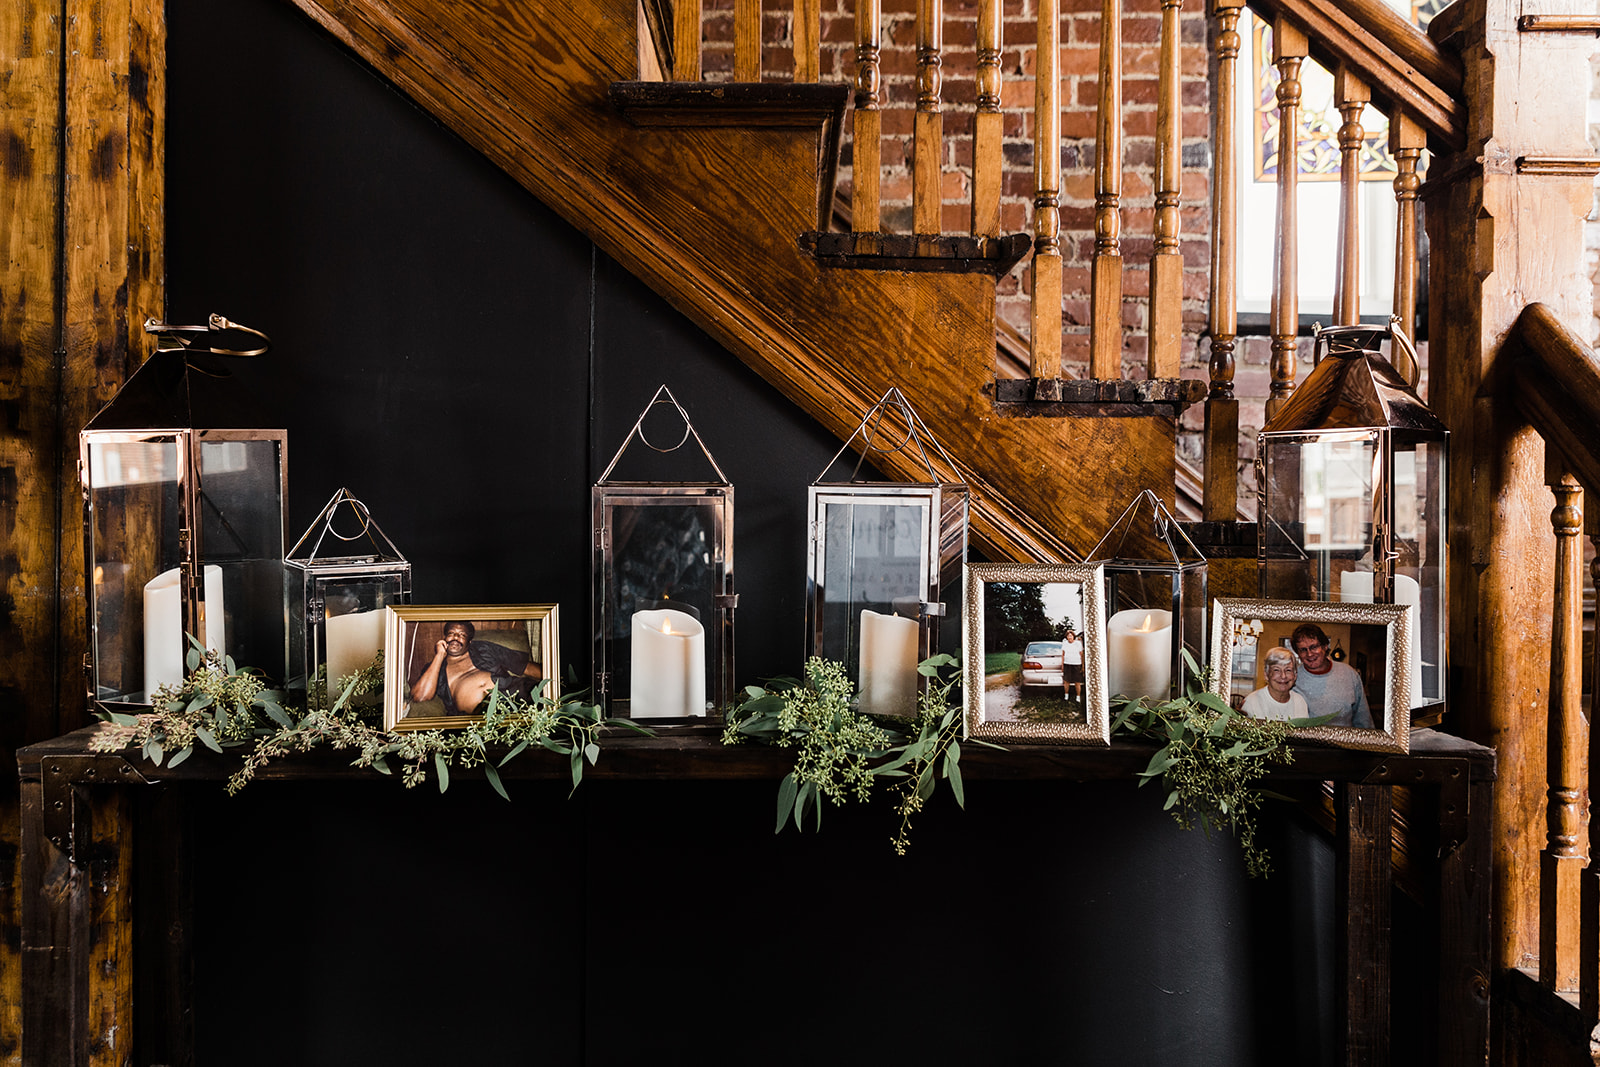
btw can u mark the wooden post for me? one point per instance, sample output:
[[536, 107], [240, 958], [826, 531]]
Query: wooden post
[[927, 198], [1221, 502], [1406, 142], [1350, 95], [686, 30], [1589, 880], [987, 125], [1562, 861], [1361, 901], [807, 40], [1045, 341], [1288, 52], [1105, 300], [867, 143], [1166, 263], [746, 40], [1499, 240]]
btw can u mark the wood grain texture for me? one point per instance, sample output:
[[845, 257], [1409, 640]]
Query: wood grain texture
[[746, 40], [1288, 53], [1166, 264], [927, 153], [682, 211], [1406, 142], [1500, 240], [1351, 96], [1105, 285], [1220, 446], [686, 31], [1362, 904], [807, 40], [866, 145], [105, 831]]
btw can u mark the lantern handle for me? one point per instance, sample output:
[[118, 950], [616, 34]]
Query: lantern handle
[[916, 432], [170, 337], [638, 431], [1413, 371]]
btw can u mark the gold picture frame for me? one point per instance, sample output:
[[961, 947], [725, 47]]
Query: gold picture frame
[[1374, 640], [1027, 604], [530, 631]]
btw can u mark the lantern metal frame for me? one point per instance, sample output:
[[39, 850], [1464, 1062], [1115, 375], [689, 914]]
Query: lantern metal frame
[[712, 499], [153, 410], [1184, 565], [309, 577], [942, 526], [1353, 396]]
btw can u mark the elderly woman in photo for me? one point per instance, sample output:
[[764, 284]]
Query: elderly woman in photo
[[1277, 699]]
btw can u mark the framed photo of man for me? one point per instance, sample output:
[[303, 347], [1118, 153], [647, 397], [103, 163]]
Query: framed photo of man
[[1036, 652], [441, 663], [1298, 659]]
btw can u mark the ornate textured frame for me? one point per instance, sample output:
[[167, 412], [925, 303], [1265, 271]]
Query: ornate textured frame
[[1395, 736], [1096, 730], [399, 619]]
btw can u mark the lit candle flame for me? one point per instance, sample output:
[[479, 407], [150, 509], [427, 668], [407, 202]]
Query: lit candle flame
[[666, 626], [1148, 624]]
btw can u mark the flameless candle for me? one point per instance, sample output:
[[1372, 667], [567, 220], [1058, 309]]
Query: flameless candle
[[888, 664], [668, 665], [1355, 587], [165, 646], [1139, 653], [353, 642]]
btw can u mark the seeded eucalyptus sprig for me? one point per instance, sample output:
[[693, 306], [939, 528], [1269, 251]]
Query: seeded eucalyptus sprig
[[1211, 759], [222, 706], [840, 753]]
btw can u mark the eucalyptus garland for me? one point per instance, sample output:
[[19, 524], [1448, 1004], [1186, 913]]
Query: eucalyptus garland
[[1211, 759], [221, 706], [840, 753]]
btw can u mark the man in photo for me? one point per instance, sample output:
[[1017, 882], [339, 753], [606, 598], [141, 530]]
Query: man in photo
[[1329, 688], [1071, 666], [1277, 699], [464, 670]]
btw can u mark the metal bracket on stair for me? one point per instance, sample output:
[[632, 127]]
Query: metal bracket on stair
[[926, 253], [1062, 397], [60, 777], [1451, 776]]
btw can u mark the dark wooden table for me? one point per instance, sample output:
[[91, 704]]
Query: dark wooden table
[[80, 980]]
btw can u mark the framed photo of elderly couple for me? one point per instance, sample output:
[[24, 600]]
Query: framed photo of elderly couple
[[442, 662], [1297, 659]]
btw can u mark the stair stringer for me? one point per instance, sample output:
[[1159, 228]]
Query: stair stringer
[[709, 218]]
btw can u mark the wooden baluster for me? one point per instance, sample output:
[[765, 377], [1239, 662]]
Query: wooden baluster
[[866, 150], [1288, 52], [1406, 142], [1589, 920], [1562, 861], [986, 125], [926, 195], [1105, 306], [807, 36], [746, 40], [1221, 503], [686, 23], [1045, 344], [1166, 264], [1350, 95]]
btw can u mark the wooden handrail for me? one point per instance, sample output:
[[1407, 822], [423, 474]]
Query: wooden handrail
[[1557, 387]]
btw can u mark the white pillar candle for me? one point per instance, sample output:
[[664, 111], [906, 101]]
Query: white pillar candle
[[1355, 587], [668, 665], [888, 667], [1139, 653], [352, 642], [165, 647]]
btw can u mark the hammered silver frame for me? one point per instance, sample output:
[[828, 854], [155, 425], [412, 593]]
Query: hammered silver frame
[[1395, 736], [1097, 729]]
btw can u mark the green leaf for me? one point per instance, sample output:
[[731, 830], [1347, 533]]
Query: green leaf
[[179, 756], [123, 718], [926, 783], [207, 738], [1214, 702], [153, 751], [577, 769], [1159, 762], [953, 753], [516, 750], [592, 751], [494, 780], [192, 659], [955, 784], [786, 794], [1172, 799], [201, 700], [443, 768], [227, 662], [380, 765], [219, 717], [276, 714]]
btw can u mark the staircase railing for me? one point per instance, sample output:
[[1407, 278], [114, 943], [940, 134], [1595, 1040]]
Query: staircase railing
[[1555, 379], [958, 106]]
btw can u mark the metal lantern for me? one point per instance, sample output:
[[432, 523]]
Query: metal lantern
[[663, 585], [880, 553], [1155, 600], [1351, 481], [183, 522], [337, 583]]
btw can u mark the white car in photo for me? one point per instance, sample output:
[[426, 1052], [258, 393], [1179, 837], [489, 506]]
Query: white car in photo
[[1041, 665]]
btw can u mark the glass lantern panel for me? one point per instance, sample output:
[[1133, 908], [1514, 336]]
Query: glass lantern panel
[[352, 622], [1317, 516], [874, 560], [664, 558], [1419, 560], [1153, 614], [134, 499], [241, 522]]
